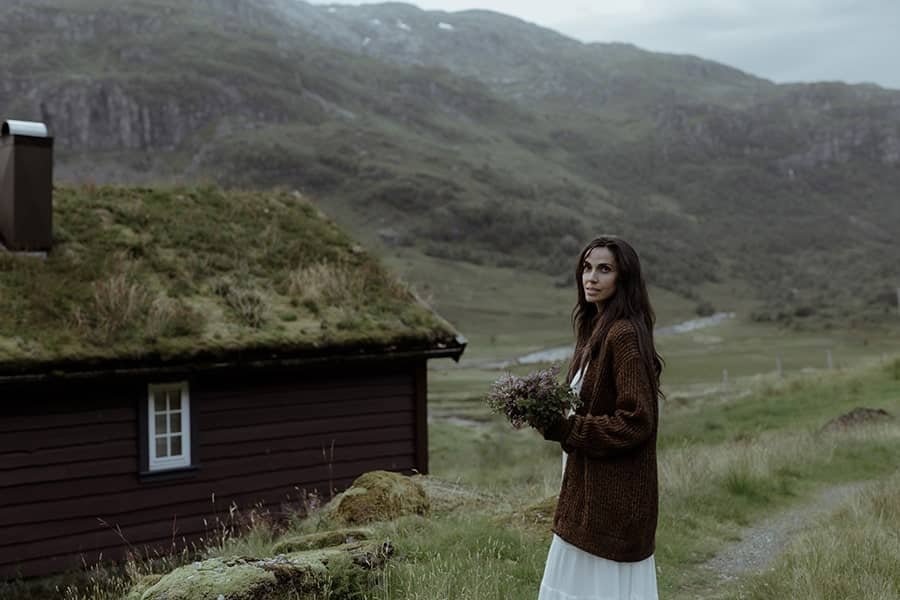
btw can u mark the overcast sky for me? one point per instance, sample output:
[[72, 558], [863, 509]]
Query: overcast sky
[[783, 40]]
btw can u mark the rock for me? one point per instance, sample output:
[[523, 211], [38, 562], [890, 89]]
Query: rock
[[234, 578], [286, 575], [856, 417], [536, 517], [378, 496], [447, 496], [141, 585], [322, 539]]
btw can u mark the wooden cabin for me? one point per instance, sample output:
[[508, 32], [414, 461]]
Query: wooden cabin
[[181, 352]]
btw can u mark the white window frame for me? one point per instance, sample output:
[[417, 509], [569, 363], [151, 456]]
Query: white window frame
[[168, 462]]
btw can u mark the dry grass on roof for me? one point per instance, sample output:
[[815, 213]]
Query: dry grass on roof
[[175, 272]]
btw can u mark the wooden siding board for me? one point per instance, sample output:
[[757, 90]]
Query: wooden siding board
[[257, 441], [141, 534], [238, 435], [87, 488], [65, 456], [307, 458], [107, 538], [112, 414], [212, 471], [64, 474], [59, 400], [13, 564], [216, 401], [401, 433], [15, 534], [29, 441], [144, 497], [24, 483], [325, 410], [287, 388]]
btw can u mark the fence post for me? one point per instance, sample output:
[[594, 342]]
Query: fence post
[[778, 366], [828, 359]]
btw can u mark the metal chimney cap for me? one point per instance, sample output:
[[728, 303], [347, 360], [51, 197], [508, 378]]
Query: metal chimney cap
[[29, 128]]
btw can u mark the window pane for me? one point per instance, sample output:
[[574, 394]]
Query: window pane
[[175, 422], [159, 402], [161, 424], [176, 445], [175, 400], [161, 449]]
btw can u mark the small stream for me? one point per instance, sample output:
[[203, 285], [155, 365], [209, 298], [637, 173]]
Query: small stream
[[561, 353]]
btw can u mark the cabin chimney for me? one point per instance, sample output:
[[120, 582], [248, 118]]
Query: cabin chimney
[[26, 186]]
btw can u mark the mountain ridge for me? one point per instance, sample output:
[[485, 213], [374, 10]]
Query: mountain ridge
[[506, 144]]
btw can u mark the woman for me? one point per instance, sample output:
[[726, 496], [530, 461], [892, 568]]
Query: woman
[[604, 528]]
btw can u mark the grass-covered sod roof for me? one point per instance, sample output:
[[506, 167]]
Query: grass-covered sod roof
[[174, 274]]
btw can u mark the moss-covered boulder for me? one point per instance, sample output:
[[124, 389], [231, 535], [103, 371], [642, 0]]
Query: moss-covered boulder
[[448, 496], [231, 578], [378, 496], [285, 575], [323, 539], [537, 517], [141, 585]]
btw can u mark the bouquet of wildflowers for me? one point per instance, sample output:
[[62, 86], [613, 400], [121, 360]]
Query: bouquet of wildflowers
[[536, 399]]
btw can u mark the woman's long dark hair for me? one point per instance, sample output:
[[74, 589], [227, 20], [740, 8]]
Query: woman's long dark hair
[[630, 301]]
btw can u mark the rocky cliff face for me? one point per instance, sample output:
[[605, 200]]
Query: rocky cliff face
[[472, 135], [797, 131], [108, 80]]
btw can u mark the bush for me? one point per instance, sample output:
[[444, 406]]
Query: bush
[[379, 496], [115, 304], [248, 305], [704, 309]]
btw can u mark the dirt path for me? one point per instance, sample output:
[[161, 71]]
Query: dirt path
[[761, 543]]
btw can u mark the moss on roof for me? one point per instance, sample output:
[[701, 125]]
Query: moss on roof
[[178, 273]]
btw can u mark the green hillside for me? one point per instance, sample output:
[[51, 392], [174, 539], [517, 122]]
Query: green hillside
[[496, 143]]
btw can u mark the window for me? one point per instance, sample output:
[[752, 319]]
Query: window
[[168, 426]]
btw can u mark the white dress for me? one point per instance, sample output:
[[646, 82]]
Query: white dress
[[573, 574]]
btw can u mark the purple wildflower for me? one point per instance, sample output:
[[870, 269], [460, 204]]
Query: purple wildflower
[[536, 399]]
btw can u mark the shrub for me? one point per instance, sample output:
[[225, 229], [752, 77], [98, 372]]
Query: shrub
[[168, 317], [115, 303], [248, 305], [704, 309]]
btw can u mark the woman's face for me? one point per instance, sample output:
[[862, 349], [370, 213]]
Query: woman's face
[[598, 275]]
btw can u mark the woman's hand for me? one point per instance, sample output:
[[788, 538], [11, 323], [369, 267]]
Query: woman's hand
[[552, 427]]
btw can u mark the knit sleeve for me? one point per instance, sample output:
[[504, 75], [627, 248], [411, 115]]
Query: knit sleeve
[[633, 420]]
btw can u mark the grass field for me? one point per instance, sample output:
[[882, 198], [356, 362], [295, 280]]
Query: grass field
[[725, 463], [853, 553], [510, 314], [730, 455], [695, 363]]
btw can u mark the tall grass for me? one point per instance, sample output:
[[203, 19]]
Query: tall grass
[[854, 553], [709, 490], [709, 493], [462, 556]]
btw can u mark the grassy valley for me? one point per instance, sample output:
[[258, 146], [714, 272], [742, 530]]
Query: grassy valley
[[473, 155], [727, 463], [493, 143]]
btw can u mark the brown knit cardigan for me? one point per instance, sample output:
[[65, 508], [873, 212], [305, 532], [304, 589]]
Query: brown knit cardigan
[[608, 503]]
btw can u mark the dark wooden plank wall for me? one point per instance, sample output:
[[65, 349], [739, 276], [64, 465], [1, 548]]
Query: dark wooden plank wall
[[69, 484]]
